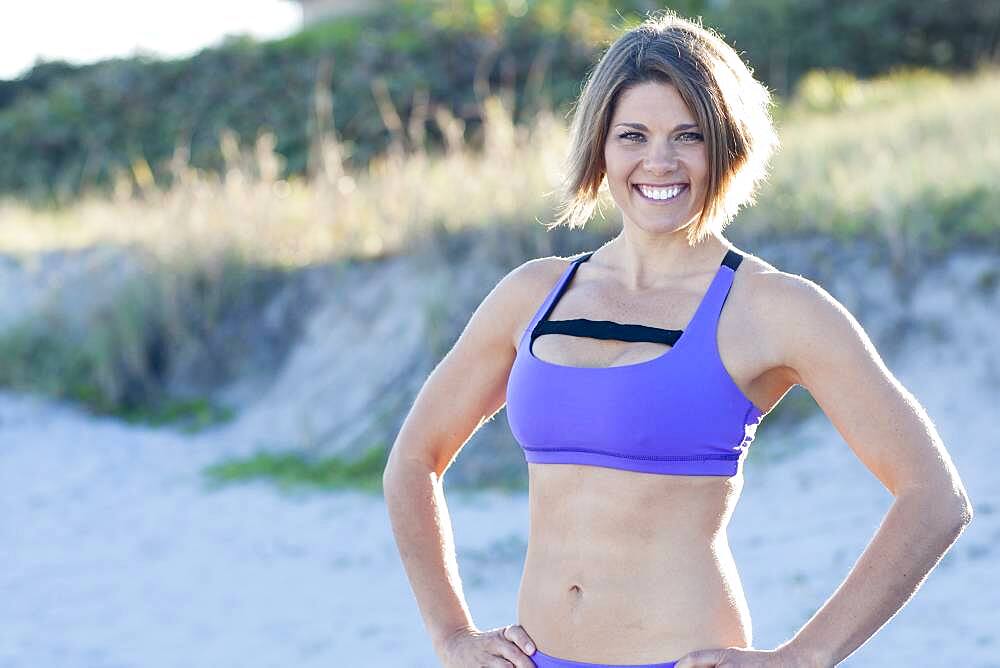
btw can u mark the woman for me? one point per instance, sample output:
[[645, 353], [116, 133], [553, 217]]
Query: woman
[[635, 377]]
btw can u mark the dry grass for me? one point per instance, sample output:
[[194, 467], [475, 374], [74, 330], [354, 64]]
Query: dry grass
[[912, 159], [892, 142], [251, 212]]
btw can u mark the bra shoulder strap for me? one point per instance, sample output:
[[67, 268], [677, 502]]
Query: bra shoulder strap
[[704, 325], [554, 294], [732, 259]]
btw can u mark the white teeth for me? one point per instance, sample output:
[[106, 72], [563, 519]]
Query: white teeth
[[660, 193]]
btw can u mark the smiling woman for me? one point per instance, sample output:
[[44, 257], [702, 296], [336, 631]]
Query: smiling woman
[[635, 425], [722, 117]]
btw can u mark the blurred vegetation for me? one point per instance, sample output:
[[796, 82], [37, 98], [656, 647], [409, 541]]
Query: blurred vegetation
[[297, 470], [377, 78], [232, 171], [164, 325], [908, 158], [905, 160]]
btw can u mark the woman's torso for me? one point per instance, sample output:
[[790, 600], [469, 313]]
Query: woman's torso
[[628, 567]]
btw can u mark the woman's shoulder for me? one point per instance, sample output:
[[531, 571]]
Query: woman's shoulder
[[540, 273], [526, 286], [769, 286], [789, 312]]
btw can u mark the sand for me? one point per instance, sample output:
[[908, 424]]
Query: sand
[[115, 554]]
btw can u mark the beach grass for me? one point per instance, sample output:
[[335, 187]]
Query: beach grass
[[909, 159], [290, 470]]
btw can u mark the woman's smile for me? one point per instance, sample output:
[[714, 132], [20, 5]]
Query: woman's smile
[[661, 196]]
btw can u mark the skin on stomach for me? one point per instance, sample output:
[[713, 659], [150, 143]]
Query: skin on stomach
[[626, 567]]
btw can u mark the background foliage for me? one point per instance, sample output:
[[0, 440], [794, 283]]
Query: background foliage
[[65, 129]]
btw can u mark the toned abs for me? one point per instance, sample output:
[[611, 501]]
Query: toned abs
[[626, 567]]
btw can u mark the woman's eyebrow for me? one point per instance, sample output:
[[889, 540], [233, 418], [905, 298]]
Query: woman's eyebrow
[[640, 126]]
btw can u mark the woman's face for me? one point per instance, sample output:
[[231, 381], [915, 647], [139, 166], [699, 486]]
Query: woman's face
[[654, 141]]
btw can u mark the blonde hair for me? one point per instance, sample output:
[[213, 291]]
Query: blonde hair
[[732, 109]]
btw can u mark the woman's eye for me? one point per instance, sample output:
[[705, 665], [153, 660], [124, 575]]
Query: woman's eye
[[684, 136]]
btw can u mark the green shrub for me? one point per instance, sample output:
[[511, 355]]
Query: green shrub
[[124, 357], [299, 469], [65, 129]]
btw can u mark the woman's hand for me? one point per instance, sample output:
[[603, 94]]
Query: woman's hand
[[497, 648], [735, 657]]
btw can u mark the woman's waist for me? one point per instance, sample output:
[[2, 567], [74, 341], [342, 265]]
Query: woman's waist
[[661, 582], [621, 617], [638, 606]]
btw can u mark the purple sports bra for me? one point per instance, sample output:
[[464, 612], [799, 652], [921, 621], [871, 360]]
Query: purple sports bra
[[678, 413]]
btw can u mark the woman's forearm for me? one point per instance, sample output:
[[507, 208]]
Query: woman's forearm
[[916, 532], [418, 513]]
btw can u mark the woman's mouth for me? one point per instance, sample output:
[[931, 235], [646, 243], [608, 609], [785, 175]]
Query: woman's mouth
[[660, 195]]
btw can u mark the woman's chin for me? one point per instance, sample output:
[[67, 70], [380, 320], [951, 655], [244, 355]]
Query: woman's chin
[[662, 224]]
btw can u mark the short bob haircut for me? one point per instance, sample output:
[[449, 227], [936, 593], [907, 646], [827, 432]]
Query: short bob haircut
[[731, 107]]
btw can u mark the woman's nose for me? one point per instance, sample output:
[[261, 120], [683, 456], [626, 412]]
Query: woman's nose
[[660, 159]]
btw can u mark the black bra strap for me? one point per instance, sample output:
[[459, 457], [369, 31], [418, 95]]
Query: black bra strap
[[732, 259], [607, 329]]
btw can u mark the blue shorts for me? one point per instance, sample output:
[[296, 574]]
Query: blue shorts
[[543, 660]]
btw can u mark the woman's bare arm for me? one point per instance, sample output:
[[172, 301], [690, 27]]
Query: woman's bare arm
[[826, 351], [466, 388]]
